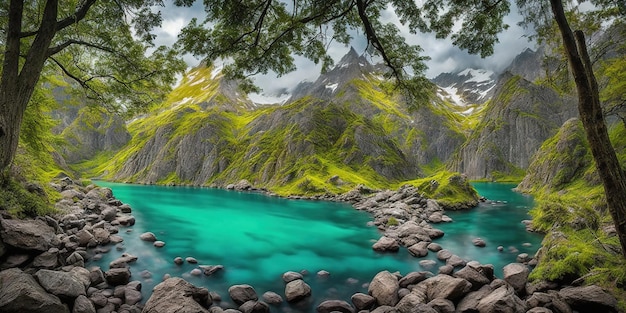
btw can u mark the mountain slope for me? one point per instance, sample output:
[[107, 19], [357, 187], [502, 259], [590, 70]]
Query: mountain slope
[[323, 140]]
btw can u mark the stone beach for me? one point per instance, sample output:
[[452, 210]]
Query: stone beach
[[43, 266]]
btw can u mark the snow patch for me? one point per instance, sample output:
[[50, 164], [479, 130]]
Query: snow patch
[[332, 87], [453, 95], [478, 76], [257, 98]]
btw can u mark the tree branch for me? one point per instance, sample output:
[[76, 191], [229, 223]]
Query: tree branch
[[78, 15], [372, 39]]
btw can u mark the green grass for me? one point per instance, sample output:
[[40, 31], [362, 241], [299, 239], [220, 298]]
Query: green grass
[[448, 188]]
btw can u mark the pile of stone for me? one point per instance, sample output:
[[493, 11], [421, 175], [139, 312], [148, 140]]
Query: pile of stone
[[42, 261], [472, 289]]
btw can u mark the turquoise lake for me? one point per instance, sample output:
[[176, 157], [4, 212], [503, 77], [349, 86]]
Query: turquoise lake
[[257, 238]]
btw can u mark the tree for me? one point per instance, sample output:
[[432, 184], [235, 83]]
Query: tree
[[592, 117], [262, 35], [88, 42]]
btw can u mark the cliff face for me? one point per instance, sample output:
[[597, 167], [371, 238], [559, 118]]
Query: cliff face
[[91, 130], [517, 120]]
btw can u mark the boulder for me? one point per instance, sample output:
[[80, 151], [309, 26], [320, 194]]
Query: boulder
[[209, 270], [242, 294], [191, 260], [516, 274], [479, 242], [64, 285], [132, 296], [502, 299], [469, 303], [48, 259], [101, 235], [411, 301], [384, 288], [434, 247], [83, 305], [178, 260], [19, 292], [271, 297], [589, 299], [117, 276], [84, 237], [148, 236], [472, 275], [412, 278], [297, 290], [177, 295], [444, 255], [442, 305], [385, 244], [123, 261], [419, 249], [291, 276], [30, 235], [254, 307], [362, 301], [159, 244], [445, 287], [335, 306]]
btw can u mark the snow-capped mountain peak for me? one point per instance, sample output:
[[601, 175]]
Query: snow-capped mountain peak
[[466, 87]]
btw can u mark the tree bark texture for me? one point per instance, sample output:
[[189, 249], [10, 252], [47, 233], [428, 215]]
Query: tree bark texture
[[590, 110]]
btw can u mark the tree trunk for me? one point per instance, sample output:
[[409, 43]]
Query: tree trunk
[[11, 117], [17, 85], [592, 118]]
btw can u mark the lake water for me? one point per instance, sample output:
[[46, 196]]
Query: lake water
[[257, 238]]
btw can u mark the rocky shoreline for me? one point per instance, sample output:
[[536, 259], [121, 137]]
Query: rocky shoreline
[[42, 266]]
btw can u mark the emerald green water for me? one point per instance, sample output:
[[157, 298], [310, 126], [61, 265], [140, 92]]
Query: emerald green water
[[257, 238]]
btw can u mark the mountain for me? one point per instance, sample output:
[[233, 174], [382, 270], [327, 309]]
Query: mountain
[[333, 134], [515, 122], [467, 87]]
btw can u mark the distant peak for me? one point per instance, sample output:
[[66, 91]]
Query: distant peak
[[352, 57]]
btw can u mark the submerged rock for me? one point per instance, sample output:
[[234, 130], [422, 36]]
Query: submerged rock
[[297, 290]]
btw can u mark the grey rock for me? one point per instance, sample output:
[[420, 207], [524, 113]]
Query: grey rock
[[445, 287], [291, 276], [589, 298], [297, 290], [241, 294], [419, 249], [442, 305], [48, 259], [30, 235], [123, 261], [386, 244], [413, 278], [469, 303], [83, 305], [209, 270], [502, 299], [362, 301], [19, 292], [329, 306], [148, 236], [411, 301], [178, 260], [159, 244], [516, 274], [271, 298], [254, 307], [14, 260], [61, 284], [132, 296], [177, 295], [117, 276], [434, 247], [384, 288], [101, 235], [479, 242], [475, 277]]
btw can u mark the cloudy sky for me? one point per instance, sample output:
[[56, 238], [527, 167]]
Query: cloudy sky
[[444, 56]]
